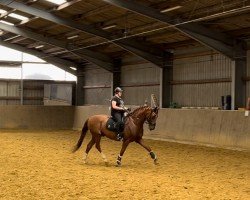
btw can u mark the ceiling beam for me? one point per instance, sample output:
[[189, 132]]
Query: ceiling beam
[[65, 5], [51, 50], [93, 12], [11, 38], [61, 63], [18, 39], [93, 57], [26, 21], [29, 2], [129, 44], [33, 45], [211, 38]]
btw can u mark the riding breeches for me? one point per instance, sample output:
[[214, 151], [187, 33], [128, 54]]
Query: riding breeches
[[118, 117]]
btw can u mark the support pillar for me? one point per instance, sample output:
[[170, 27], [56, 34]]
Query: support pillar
[[79, 87], [116, 76], [239, 69], [166, 76]]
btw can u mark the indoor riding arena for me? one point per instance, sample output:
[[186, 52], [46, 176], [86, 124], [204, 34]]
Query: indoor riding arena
[[176, 73]]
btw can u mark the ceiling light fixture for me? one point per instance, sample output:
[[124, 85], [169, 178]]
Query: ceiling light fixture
[[39, 47], [109, 27], [58, 2], [14, 15], [72, 37], [170, 9], [8, 23]]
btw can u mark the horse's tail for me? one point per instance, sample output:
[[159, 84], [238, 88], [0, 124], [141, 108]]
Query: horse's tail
[[84, 131]]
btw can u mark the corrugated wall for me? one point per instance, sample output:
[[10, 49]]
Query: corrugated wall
[[3, 92], [203, 95], [215, 66], [139, 81], [97, 89], [97, 96], [9, 89], [33, 92], [198, 81]]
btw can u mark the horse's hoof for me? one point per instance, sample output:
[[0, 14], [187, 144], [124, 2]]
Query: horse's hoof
[[156, 162], [118, 164]]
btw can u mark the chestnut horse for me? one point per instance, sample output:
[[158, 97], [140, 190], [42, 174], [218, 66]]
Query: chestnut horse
[[133, 131]]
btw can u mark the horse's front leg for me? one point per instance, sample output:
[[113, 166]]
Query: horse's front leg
[[151, 153], [124, 147]]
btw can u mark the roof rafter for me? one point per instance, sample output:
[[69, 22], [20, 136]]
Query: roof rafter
[[146, 52], [18, 39], [11, 38], [93, 57], [93, 12], [61, 63], [211, 38]]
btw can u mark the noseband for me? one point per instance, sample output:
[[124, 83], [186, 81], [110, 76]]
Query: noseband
[[148, 119]]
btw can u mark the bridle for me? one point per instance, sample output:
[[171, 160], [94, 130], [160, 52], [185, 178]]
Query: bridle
[[148, 119]]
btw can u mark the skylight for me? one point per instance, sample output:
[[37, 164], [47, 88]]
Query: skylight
[[8, 23], [58, 2], [18, 16]]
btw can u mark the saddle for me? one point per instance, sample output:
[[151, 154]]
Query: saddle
[[112, 125]]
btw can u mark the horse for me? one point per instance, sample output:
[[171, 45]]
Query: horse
[[133, 132]]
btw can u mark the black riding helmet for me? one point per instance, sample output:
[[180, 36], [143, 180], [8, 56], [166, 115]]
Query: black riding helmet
[[118, 89]]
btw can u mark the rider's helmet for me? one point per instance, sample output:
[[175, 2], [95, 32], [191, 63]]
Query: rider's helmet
[[118, 89]]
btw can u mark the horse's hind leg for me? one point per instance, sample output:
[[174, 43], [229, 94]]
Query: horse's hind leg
[[89, 146], [98, 146]]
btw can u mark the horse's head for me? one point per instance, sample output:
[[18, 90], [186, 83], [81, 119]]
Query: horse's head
[[151, 117]]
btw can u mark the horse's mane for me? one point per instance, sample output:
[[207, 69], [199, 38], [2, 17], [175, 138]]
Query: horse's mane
[[137, 110]]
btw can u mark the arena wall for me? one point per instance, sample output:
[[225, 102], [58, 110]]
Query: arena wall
[[226, 129], [36, 117]]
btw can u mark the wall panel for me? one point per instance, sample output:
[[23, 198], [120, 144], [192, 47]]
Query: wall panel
[[33, 92], [97, 89], [139, 81], [215, 68]]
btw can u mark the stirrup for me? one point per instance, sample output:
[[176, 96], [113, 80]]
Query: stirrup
[[119, 137]]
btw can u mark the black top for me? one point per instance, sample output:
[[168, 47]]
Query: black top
[[119, 103]]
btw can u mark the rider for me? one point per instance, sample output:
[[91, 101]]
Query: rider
[[117, 111]]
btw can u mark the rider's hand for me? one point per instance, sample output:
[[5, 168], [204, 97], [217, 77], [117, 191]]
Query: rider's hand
[[126, 109]]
